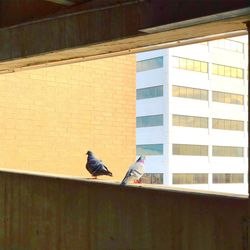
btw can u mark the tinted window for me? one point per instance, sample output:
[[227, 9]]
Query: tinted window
[[149, 149], [149, 64], [149, 92], [149, 121]]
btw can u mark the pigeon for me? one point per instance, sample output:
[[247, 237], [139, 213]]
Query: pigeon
[[95, 166], [135, 171]]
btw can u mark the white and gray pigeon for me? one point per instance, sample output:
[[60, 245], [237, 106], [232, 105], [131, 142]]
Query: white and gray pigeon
[[95, 166], [135, 171]]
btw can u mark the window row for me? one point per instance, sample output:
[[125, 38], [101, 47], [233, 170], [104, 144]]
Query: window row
[[150, 92], [149, 149], [201, 66], [228, 44], [223, 70], [202, 122], [228, 98], [228, 124], [226, 151], [152, 63], [191, 150], [190, 64], [149, 121], [187, 149], [193, 93], [190, 121], [228, 178], [202, 150], [152, 178], [220, 178], [201, 94]]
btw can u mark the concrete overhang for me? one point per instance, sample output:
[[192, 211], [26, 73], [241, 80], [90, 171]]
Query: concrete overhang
[[115, 28]]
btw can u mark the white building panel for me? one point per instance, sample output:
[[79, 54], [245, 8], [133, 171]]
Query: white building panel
[[155, 164], [228, 138], [196, 186], [187, 106], [225, 57], [150, 135], [201, 52], [151, 106], [190, 167], [230, 188], [227, 161], [150, 78], [226, 84], [189, 78], [195, 136]]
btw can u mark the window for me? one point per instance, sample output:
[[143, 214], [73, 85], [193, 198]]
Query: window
[[190, 121], [149, 121], [229, 44], [153, 63], [185, 92], [190, 178], [228, 124], [227, 71], [228, 178], [189, 64], [228, 151], [149, 149], [152, 178], [188, 149], [149, 92], [228, 98]]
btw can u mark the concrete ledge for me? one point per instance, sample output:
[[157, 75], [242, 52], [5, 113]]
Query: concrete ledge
[[51, 212], [117, 183]]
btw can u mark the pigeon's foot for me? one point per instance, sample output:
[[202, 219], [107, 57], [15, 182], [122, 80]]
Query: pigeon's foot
[[137, 181]]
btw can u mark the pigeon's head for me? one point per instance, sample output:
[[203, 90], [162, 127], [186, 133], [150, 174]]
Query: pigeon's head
[[89, 153], [141, 158]]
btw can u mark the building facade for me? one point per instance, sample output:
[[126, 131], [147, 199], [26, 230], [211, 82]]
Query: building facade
[[51, 116], [191, 115]]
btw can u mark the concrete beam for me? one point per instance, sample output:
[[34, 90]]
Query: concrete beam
[[19, 11], [63, 2], [42, 212], [108, 28], [67, 2]]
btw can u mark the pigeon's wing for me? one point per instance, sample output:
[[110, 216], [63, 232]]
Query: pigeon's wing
[[97, 168], [127, 177], [100, 169], [135, 172], [92, 164]]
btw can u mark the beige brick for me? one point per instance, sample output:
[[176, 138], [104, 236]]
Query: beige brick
[[50, 117]]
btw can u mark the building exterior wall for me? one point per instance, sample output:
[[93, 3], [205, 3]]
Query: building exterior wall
[[168, 105], [50, 117]]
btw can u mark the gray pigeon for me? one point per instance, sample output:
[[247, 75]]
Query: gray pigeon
[[135, 171], [95, 166]]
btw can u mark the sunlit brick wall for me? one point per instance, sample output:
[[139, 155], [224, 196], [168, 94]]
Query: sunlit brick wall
[[50, 117]]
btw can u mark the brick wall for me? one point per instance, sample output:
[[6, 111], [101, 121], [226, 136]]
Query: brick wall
[[50, 117]]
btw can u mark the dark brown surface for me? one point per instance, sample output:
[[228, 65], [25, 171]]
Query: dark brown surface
[[104, 28], [38, 212]]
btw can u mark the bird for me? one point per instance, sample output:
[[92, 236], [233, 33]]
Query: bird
[[95, 166], [135, 171]]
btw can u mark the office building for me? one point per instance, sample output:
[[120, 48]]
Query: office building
[[192, 113]]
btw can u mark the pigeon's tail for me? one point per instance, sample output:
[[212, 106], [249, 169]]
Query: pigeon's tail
[[124, 181], [109, 173]]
